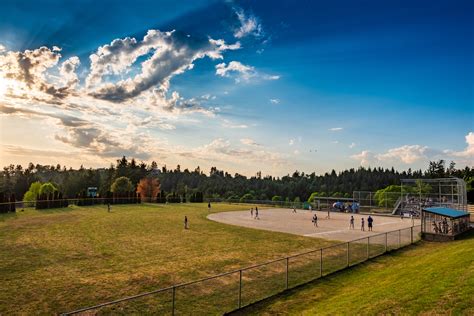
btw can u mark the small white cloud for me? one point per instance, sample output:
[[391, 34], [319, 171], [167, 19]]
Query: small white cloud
[[274, 101], [335, 129], [271, 77], [296, 152], [56, 49], [352, 145], [241, 72], [249, 142], [260, 51], [292, 142], [335, 142], [229, 124], [249, 25]]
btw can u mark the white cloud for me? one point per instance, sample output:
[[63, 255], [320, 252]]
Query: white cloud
[[68, 71], [352, 145], [335, 129], [465, 156], [407, 154], [249, 142], [241, 72], [245, 72], [2, 48], [229, 124], [222, 150], [296, 152], [172, 53], [249, 25], [365, 157], [292, 142], [274, 101]]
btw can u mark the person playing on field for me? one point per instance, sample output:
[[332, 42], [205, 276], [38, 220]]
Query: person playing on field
[[362, 224], [185, 222], [351, 224], [315, 220], [370, 220], [256, 213], [294, 209], [251, 212], [329, 212], [108, 207], [209, 206]]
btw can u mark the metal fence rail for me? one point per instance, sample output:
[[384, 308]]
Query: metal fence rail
[[235, 289]]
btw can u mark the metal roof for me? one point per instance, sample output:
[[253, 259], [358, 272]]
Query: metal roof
[[446, 212]]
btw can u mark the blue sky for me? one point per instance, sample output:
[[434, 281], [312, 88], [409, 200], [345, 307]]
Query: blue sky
[[241, 85]]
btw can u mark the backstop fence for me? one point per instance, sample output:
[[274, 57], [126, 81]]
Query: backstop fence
[[230, 291]]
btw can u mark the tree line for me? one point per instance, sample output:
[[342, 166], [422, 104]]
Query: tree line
[[217, 183]]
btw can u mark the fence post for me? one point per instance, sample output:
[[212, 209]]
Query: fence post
[[240, 288], [287, 263], [348, 249], [321, 263], [411, 234], [174, 299], [399, 238], [368, 247]]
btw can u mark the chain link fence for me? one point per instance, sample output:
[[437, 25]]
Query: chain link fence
[[230, 291]]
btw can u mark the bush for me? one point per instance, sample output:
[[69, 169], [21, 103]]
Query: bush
[[247, 197], [47, 188], [121, 185], [33, 191], [277, 198]]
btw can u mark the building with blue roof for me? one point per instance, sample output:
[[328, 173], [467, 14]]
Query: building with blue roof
[[442, 223]]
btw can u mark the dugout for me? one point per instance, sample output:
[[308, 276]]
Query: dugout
[[443, 224]]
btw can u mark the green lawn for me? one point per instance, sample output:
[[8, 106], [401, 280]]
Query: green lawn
[[424, 279], [59, 260]]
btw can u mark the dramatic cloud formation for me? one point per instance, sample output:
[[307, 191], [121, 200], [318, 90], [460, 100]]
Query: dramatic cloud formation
[[122, 100], [28, 70], [241, 72], [172, 54]]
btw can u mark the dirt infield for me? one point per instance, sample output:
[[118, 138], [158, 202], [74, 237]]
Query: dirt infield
[[299, 223]]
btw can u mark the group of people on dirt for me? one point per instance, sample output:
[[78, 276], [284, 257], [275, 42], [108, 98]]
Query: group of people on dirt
[[346, 207], [370, 222], [256, 213]]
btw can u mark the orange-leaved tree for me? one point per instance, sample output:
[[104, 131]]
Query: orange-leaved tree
[[148, 187]]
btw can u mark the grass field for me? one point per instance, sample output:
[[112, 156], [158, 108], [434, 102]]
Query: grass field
[[427, 279], [59, 260]]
